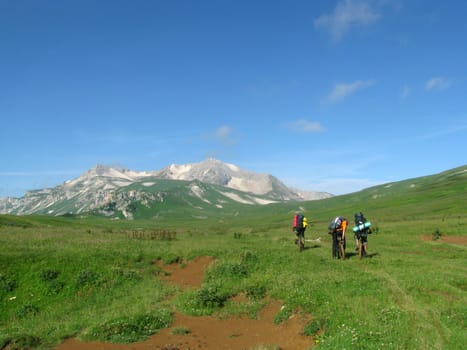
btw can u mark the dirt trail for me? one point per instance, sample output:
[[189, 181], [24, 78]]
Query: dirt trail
[[210, 333], [460, 240]]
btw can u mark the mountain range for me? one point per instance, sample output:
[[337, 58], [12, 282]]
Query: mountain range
[[117, 192]]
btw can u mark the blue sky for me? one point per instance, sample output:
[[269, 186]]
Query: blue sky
[[330, 96]]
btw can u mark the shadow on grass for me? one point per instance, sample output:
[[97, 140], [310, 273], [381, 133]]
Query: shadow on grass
[[314, 246], [349, 255]]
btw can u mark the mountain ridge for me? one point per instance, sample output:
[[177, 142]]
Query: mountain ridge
[[101, 185]]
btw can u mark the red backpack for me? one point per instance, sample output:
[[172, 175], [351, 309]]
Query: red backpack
[[298, 221]]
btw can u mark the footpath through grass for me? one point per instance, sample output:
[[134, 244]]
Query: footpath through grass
[[71, 278]]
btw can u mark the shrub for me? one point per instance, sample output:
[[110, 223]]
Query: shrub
[[172, 258], [7, 284], [255, 291], [283, 315], [228, 270], [436, 235], [21, 342], [248, 256], [27, 310], [181, 331], [55, 287], [132, 329], [87, 278], [314, 326], [211, 296], [127, 275], [48, 275]]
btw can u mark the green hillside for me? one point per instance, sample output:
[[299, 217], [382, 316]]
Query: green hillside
[[94, 277], [433, 196]]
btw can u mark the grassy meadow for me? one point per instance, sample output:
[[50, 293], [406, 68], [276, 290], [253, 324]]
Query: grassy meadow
[[96, 279]]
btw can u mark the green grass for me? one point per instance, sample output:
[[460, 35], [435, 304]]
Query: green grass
[[59, 282], [93, 279]]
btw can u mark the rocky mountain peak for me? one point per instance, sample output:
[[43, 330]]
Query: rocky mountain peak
[[102, 184]]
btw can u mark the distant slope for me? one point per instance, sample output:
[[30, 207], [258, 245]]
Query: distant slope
[[446, 191], [433, 196]]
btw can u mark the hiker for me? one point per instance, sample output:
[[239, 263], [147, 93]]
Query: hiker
[[338, 228], [361, 230], [299, 225]]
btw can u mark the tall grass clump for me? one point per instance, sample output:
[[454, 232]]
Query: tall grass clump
[[128, 329]]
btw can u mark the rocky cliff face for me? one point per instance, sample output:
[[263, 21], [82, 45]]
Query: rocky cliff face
[[219, 173]]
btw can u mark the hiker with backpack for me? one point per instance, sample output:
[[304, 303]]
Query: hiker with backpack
[[361, 230], [337, 228], [299, 225]]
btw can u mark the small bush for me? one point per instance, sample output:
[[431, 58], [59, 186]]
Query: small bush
[[255, 291], [7, 284], [283, 315], [21, 342], [211, 296], [55, 287], [172, 259], [48, 275], [131, 329], [238, 270], [314, 327], [228, 270], [87, 278], [436, 235], [127, 275], [139, 258], [27, 310], [181, 331], [248, 256]]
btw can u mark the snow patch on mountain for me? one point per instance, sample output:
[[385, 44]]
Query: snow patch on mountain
[[199, 192], [263, 201], [180, 172], [250, 185], [232, 167], [237, 198]]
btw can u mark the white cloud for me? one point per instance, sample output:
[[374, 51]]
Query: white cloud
[[222, 135], [343, 90], [305, 126], [405, 92], [223, 132], [347, 13], [438, 83]]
